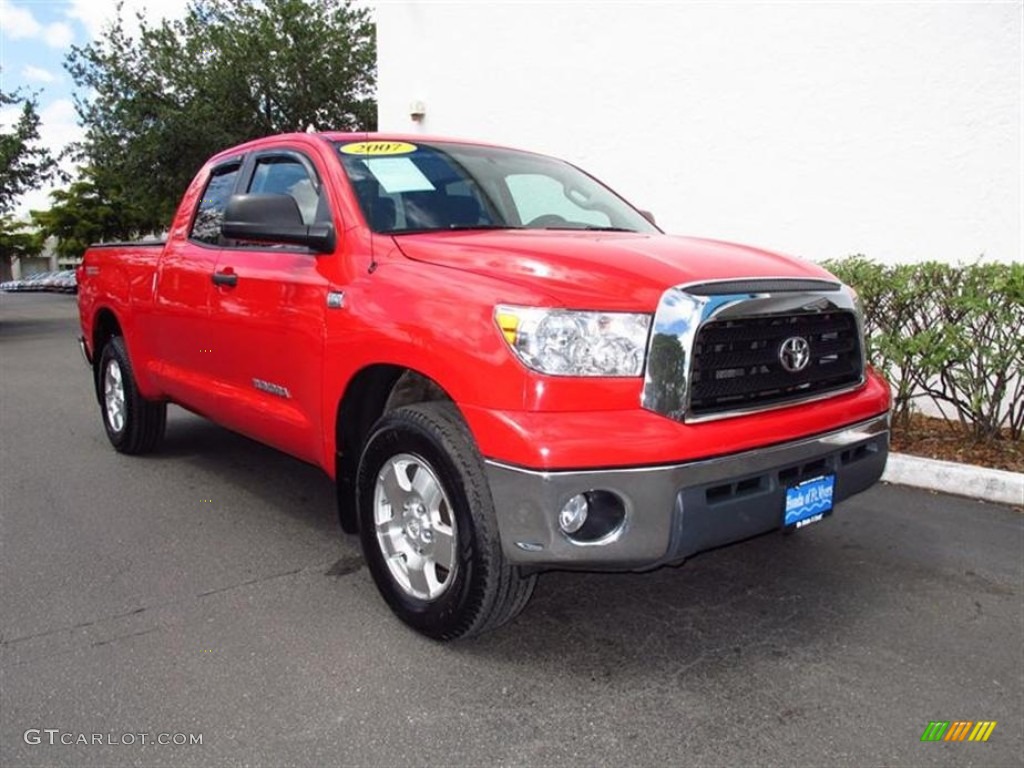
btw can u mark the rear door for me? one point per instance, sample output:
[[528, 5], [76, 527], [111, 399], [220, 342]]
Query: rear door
[[268, 322], [185, 350]]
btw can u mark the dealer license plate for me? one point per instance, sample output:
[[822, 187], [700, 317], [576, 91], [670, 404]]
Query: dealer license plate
[[809, 502]]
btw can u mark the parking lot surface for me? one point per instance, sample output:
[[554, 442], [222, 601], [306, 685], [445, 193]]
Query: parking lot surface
[[207, 590]]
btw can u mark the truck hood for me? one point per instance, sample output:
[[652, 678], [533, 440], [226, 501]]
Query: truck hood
[[598, 270]]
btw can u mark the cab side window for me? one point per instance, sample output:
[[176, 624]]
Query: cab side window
[[210, 211], [286, 176]]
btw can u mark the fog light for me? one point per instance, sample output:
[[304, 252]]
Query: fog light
[[592, 517], [573, 514]]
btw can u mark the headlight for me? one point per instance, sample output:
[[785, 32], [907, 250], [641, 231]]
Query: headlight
[[562, 342]]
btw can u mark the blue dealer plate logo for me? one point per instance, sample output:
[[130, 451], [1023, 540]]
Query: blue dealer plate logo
[[810, 501]]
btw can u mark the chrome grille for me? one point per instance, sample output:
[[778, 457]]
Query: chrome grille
[[760, 285], [736, 362]]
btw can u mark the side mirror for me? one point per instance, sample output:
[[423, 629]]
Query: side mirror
[[648, 215], [274, 219]]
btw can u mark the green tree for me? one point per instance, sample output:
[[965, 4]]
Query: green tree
[[166, 99], [15, 242], [23, 164], [87, 212]]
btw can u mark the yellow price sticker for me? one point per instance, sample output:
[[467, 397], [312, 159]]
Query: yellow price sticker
[[378, 148]]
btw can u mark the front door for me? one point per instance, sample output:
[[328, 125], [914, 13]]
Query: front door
[[268, 319]]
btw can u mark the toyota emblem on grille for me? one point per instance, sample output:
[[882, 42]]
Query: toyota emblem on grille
[[795, 354]]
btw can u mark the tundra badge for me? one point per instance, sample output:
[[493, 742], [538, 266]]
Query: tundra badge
[[274, 389]]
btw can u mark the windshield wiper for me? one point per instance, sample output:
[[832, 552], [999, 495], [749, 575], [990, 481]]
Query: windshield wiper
[[589, 228], [464, 227], [453, 228]]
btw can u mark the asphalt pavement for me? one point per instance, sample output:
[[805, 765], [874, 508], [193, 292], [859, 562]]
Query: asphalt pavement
[[207, 591]]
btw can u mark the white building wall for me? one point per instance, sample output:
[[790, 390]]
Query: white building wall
[[889, 129]]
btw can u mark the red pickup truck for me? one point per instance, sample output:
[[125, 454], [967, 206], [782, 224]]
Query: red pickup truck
[[505, 367]]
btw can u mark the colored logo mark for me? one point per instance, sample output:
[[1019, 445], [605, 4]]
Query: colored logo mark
[[378, 148], [958, 730]]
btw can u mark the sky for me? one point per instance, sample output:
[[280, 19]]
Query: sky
[[35, 38]]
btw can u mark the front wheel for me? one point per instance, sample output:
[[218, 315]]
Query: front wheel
[[133, 424], [428, 527]]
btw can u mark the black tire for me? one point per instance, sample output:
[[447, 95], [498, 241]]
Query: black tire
[[137, 426], [482, 590]]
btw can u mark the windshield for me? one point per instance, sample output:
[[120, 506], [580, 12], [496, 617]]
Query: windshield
[[404, 188]]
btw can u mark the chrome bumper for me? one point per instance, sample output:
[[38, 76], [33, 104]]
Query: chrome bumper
[[85, 351], [674, 511]]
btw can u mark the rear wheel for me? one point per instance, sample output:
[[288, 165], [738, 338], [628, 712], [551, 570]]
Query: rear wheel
[[428, 526], [134, 425]]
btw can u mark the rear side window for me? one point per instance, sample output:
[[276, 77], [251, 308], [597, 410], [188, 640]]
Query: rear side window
[[210, 212]]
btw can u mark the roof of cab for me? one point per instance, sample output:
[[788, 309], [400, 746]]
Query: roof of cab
[[340, 136]]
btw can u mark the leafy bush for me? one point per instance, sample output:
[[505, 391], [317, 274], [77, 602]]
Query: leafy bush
[[952, 333]]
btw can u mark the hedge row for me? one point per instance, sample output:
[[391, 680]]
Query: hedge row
[[952, 333]]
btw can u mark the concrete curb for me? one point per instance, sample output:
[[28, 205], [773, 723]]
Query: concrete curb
[[994, 485]]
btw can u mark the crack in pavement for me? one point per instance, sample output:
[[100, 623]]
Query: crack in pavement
[[115, 638], [7, 642], [79, 625]]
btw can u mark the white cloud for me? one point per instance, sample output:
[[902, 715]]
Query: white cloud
[[59, 124], [38, 74], [9, 116], [59, 35], [95, 17], [17, 22]]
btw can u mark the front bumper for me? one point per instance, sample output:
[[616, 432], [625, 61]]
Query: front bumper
[[83, 347], [674, 511]]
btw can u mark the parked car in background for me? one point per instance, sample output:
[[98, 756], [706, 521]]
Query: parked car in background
[[65, 282], [36, 282], [61, 281]]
